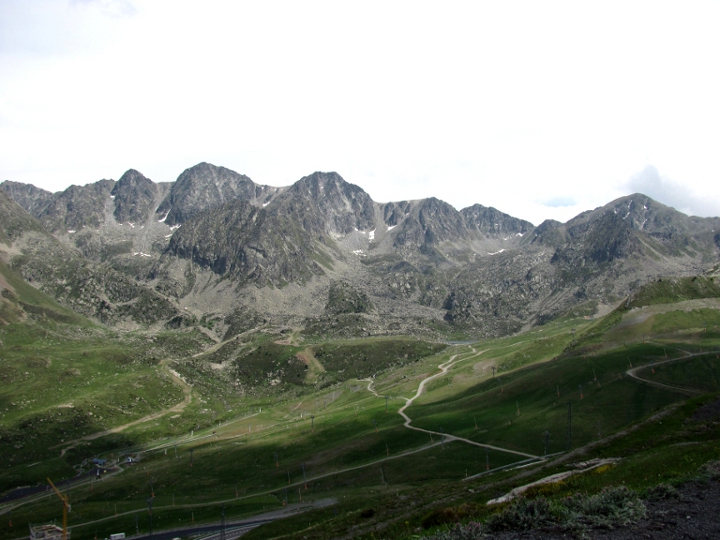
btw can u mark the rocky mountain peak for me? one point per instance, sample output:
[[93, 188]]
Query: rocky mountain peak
[[31, 198], [394, 212], [77, 207], [14, 220], [428, 222], [247, 244], [674, 231], [205, 186], [550, 233], [134, 195], [487, 270], [326, 203], [320, 184], [493, 223]]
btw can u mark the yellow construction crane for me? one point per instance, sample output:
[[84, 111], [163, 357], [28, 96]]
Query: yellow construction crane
[[66, 508]]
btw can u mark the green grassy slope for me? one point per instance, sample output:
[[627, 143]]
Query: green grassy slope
[[247, 448]]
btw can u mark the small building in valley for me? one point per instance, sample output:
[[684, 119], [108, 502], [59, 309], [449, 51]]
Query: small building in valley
[[47, 531]]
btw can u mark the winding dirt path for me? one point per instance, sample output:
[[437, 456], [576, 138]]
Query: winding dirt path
[[179, 407], [444, 367], [687, 391]]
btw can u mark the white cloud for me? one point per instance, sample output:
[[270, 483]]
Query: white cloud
[[511, 105], [664, 190], [113, 8]]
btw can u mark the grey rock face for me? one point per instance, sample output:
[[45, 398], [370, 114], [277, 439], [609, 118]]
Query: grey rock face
[[550, 233], [15, 221], [379, 265], [206, 186], [601, 240], [248, 244], [134, 196], [91, 290], [324, 203], [491, 222], [394, 212], [31, 198], [77, 207], [430, 222]]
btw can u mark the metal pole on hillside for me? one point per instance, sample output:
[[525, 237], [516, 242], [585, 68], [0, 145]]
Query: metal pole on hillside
[[149, 503], [568, 433], [222, 523]]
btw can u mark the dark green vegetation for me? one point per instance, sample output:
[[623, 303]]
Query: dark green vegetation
[[367, 357], [267, 411], [62, 378], [670, 290]]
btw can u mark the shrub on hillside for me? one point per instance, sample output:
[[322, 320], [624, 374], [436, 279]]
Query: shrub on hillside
[[522, 515], [711, 470], [469, 531], [610, 508], [663, 492], [448, 515]]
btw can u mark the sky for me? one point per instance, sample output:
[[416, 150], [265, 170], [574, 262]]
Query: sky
[[540, 109]]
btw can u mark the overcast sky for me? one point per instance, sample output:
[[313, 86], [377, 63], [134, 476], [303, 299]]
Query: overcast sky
[[540, 109]]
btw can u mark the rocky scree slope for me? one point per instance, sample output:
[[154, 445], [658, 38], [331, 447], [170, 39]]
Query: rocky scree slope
[[95, 291], [477, 269]]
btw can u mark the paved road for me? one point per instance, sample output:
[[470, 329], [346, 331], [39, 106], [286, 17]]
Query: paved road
[[235, 527]]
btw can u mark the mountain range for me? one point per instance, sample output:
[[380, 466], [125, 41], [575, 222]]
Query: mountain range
[[322, 255]]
